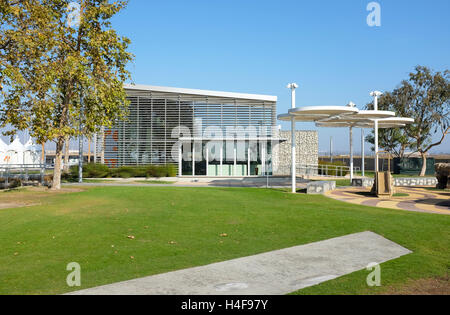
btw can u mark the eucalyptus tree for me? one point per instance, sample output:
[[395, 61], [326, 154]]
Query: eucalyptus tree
[[424, 96]]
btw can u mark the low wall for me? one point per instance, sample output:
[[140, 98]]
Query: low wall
[[399, 182], [315, 188]]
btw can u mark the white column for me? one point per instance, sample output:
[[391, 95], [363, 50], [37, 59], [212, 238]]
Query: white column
[[221, 161], [235, 161], [263, 159], [375, 106], [248, 161], [376, 147], [207, 160], [293, 157], [351, 154], [193, 159], [293, 86], [363, 153], [293, 98], [180, 160]]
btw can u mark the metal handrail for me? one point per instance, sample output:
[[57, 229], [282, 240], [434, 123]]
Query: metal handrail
[[320, 170]]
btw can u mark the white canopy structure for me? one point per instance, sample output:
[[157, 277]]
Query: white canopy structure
[[318, 113], [386, 123], [17, 153], [341, 116]]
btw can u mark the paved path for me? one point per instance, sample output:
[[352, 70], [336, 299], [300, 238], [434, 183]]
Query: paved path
[[274, 273], [418, 199], [257, 182]]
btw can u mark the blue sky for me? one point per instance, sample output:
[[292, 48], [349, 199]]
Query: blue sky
[[259, 46]]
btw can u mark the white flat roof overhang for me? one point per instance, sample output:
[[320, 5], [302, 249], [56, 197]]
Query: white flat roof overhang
[[219, 94]]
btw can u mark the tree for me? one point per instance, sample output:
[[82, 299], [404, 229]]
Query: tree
[[66, 154], [425, 96], [393, 140], [52, 65]]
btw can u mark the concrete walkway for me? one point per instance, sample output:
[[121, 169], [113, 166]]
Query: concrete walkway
[[231, 182], [274, 273]]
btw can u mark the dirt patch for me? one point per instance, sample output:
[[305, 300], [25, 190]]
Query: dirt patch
[[15, 205], [433, 286], [49, 191], [30, 196]]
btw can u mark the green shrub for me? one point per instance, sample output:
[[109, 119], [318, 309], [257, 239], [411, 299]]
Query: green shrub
[[122, 172], [94, 170], [72, 175], [103, 171], [159, 171], [140, 171], [156, 171], [128, 172], [171, 170], [151, 171]]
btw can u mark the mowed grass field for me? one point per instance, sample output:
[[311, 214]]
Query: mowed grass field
[[121, 233]]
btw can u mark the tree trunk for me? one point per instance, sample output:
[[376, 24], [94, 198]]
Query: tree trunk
[[58, 160], [424, 165], [43, 154], [66, 154]]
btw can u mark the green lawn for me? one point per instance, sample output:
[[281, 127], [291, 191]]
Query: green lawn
[[177, 228], [343, 183]]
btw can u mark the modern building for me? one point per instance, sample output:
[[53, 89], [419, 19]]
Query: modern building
[[203, 133]]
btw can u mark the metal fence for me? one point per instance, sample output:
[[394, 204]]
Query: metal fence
[[319, 170], [24, 172]]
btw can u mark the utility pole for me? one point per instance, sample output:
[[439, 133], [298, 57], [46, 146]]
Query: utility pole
[[331, 149]]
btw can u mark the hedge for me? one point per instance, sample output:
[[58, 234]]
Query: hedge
[[102, 171]]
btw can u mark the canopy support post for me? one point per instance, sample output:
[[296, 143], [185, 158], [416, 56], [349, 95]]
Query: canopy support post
[[351, 154]]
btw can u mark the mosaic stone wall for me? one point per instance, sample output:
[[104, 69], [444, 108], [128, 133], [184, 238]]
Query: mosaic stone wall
[[307, 151], [399, 182]]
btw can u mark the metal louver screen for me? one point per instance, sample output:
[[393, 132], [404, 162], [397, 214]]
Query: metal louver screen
[[146, 136]]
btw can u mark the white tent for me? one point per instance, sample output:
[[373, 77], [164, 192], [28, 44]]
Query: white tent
[[17, 153], [30, 154]]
